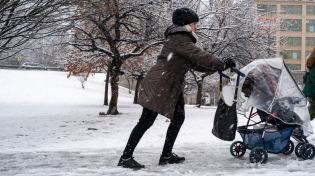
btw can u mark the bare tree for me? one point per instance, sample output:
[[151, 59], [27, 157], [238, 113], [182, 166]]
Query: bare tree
[[106, 88], [23, 20], [119, 29], [130, 81], [233, 29]]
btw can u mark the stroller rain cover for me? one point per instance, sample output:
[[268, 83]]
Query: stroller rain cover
[[274, 91]]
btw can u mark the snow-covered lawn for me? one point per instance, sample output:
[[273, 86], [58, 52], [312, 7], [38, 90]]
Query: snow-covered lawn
[[51, 126]]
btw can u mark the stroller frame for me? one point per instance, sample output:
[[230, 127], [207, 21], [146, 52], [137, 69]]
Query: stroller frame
[[262, 141]]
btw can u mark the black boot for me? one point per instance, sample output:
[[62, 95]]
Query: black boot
[[129, 163], [173, 159]]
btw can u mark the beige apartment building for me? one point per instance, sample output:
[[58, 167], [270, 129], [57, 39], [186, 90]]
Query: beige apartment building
[[299, 34]]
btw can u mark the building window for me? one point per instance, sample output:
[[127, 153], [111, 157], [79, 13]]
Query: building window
[[310, 10], [292, 41], [291, 54], [291, 9], [291, 24], [310, 25], [264, 8], [310, 41], [294, 66]]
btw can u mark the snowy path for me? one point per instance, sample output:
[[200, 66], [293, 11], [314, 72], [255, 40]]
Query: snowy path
[[103, 162], [49, 134]]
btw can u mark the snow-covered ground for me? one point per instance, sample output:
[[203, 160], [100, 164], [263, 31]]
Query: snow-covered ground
[[51, 126]]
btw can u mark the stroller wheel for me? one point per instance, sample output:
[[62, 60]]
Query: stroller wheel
[[289, 148], [307, 151], [237, 149], [258, 155], [298, 149]]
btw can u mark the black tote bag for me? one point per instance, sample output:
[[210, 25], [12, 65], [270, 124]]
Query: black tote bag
[[225, 119]]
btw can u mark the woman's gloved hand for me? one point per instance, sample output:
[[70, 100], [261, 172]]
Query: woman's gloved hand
[[229, 63]]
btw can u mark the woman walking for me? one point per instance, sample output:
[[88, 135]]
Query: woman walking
[[161, 91]]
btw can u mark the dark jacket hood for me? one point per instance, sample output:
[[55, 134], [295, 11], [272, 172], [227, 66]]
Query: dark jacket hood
[[175, 29]]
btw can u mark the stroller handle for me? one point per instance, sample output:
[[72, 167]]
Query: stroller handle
[[241, 74], [233, 70], [237, 71], [223, 75]]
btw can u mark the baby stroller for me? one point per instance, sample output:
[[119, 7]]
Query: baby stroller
[[281, 107]]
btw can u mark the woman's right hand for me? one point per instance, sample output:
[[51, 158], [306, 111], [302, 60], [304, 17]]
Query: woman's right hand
[[229, 63]]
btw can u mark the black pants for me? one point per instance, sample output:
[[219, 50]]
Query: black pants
[[146, 121]]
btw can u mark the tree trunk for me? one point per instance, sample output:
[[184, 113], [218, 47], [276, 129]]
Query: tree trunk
[[112, 110], [129, 84], [139, 80], [130, 91], [199, 94], [106, 88]]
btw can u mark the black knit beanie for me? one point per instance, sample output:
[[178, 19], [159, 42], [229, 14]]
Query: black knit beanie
[[184, 16]]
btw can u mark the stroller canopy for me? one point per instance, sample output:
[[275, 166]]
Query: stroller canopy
[[270, 87]]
